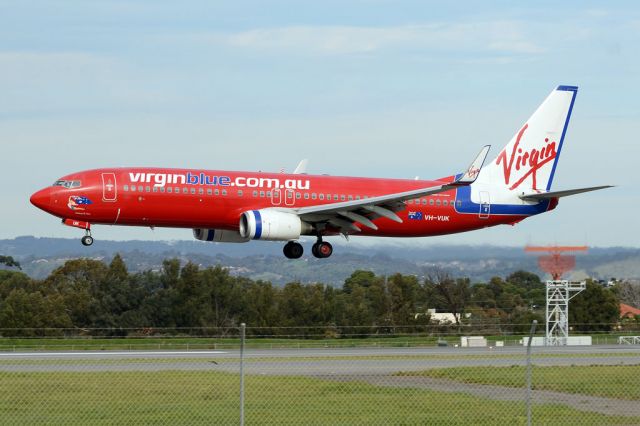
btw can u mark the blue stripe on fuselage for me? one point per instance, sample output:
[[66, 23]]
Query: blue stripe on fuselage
[[463, 194]]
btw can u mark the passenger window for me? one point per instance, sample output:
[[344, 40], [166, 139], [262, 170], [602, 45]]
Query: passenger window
[[313, 196], [342, 198], [201, 191], [357, 197], [437, 202], [321, 196], [431, 202], [126, 187], [298, 195], [306, 195], [459, 202], [140, 188], [162, 189], [424, 202], [335, 197], [193, 191], [209, 191], [148, 189], [155, 189], [255, 193], [289, 194], [176, 190], [268, 194], [409, 201], [240, 192], [350, 197], [133, 188], [224, 192], [261, 194], [185, 190], [216, 191], [169, 189]]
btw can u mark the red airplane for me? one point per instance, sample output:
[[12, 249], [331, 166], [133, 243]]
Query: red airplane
[[225, 206]]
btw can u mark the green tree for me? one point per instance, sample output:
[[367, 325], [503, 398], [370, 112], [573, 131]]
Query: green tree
[[451, 294], [594, 309], [78, 282], [31, 314], [10, 262]]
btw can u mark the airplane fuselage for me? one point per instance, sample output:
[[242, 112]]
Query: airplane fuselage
[[184, 198]]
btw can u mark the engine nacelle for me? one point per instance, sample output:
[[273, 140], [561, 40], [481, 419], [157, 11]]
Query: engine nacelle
[[218, 236], [272, 225]]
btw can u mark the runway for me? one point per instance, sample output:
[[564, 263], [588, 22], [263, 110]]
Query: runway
[[316, 362]]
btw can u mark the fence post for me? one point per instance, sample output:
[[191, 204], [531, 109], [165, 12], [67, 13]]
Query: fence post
[[531, 333], [243, 326]]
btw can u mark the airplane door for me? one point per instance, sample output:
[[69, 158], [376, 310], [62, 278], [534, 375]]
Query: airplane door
[[276, 197], [485, 205], [289, 197], [109, 189]]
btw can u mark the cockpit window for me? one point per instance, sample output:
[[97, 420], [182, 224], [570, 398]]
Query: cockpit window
[[68, 183]]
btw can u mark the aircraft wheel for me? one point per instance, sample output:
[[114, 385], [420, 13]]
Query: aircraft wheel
[[293, 250], [322, 249], [87, 240]]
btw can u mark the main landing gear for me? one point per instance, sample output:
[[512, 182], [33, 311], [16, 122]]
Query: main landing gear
[[293, 250], [321, 249]]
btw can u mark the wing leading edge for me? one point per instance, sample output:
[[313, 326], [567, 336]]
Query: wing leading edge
[[344, 215]]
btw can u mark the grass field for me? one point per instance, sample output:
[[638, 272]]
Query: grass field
[[611, 381], [204, 397], [188, 343]]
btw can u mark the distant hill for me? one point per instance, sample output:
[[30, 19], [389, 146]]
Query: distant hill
[[264, 260]]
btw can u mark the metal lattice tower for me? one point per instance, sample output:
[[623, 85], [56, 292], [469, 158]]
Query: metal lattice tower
[[559, 292]]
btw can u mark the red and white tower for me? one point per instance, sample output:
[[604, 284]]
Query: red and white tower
[[559, 291]]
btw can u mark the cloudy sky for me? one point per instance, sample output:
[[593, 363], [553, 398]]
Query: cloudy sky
[[369, 88]]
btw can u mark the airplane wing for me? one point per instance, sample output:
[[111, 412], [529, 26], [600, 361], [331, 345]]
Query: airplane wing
[[344, 215], [537, 196]]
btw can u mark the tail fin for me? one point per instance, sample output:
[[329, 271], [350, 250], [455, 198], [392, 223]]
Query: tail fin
[[529, 160]]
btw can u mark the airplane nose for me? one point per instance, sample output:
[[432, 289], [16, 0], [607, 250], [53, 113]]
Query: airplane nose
[[41, 199]]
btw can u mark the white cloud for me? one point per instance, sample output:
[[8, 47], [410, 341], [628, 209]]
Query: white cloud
[[503, 36]]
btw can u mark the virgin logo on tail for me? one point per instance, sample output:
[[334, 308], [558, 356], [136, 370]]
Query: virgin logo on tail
[[526, 163]]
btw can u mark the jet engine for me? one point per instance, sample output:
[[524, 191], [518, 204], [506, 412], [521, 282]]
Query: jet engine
[[272, 225], [218, 235]]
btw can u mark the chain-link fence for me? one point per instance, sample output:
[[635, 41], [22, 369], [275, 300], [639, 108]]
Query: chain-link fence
[[448, 381]]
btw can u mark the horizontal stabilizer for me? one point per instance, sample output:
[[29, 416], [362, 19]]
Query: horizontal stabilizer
[[536, 196]]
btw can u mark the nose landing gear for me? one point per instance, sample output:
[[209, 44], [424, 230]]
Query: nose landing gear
[[87, 240]]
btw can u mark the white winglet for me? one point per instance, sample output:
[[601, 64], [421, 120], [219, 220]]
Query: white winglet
[[302, 167], [473, 171]]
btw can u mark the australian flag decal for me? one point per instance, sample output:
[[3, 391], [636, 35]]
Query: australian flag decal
[[76, 202], [415, 215]]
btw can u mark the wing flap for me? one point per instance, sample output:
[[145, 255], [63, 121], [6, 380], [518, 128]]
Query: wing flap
[[346, 214]]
